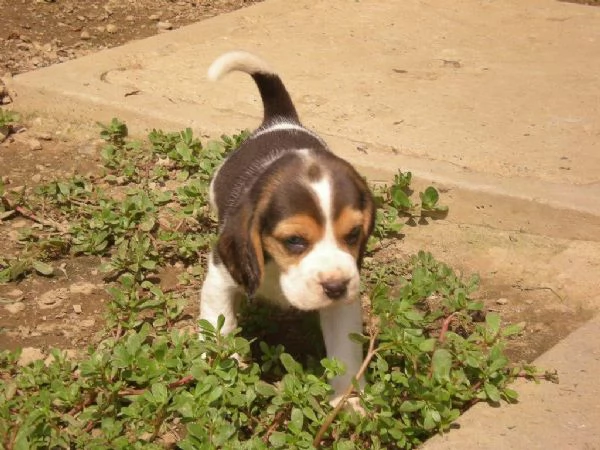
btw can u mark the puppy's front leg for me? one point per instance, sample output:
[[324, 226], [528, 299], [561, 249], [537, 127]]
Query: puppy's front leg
[[337, 323], [219, 295]]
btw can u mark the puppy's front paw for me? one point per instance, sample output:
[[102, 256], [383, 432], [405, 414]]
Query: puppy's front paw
[[351, 404]]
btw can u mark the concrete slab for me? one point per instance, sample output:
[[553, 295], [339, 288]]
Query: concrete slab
[[496, 100], [561, 416]]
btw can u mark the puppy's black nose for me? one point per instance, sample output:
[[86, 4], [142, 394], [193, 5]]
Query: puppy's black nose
[[335, 289]]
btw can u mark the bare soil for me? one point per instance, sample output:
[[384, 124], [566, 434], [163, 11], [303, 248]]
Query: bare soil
[[38, 33]]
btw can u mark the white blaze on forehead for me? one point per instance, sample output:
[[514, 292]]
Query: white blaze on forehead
[[323, 191]]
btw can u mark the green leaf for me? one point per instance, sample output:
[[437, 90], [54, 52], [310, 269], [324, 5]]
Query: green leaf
[[291, 366], [427, 345], [184, 151], [429, 198], [429, 422], [160, 393], [149, 264], [147, 224], [309, 413], [491, 392], [277, 439], [411, 405], [224, 432], [198, 431], [442, 363], [359, 338], [498, 363], [64, 189], [214, 394], [265, 389], [511, 395], [399, 198], [492, 322], [42, 268], [297, 420], [512, 330]]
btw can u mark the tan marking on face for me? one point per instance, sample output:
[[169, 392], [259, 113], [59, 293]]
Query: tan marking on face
[[349, 219], [303, 226], [314, 173]]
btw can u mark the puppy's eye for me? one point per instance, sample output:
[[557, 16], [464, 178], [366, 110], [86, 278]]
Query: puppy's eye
[[295, 244], [352, 237]]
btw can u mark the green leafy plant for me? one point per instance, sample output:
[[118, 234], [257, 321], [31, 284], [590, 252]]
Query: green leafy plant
[[8, 118], [149, 382], [396, 206]]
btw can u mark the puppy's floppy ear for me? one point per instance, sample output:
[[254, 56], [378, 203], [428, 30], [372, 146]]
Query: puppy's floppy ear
[[368, 205], [240, 248]]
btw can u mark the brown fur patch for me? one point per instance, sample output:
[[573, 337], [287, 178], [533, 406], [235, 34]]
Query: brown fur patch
[[347, 220], [314, 173]]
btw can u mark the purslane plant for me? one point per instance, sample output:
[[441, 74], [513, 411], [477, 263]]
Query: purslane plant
[[149, 383]]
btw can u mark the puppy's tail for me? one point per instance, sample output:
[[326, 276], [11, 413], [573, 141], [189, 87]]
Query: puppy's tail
[[277, 103]]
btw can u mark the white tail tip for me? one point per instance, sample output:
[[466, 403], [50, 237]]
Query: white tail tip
[[237, 61]]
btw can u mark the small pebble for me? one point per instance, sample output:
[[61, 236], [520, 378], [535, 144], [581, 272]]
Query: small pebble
[[34, 144], [87, 323], [15, 294], [44, 136], [14, 308], [111, 28], [502, 301], [164, 26], [77, 309], [85, 35], [82, 287]]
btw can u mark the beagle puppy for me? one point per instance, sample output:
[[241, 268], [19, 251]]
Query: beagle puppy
[[294, 220]]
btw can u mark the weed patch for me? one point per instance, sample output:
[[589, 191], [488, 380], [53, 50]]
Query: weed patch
[[148, 382]]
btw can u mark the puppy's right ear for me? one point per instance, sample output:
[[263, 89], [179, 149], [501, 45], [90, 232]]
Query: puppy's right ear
[[240, 248]]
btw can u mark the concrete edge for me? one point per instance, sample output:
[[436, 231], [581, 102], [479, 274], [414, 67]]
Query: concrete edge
[[523, 205], [546, 412]]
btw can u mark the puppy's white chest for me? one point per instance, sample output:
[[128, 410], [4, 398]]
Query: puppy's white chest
[[270, 288]]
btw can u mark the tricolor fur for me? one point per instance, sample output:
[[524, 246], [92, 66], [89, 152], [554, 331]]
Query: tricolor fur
[[294, 220]]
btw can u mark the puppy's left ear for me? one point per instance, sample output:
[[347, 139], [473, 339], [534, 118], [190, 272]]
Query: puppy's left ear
[[240, 248], [369, 219]]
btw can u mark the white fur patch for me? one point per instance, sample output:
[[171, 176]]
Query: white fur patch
[[283, 125], [237, 60], [219, 296], [337, 323]]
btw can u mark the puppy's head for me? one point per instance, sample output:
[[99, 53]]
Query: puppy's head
[[310, 215]]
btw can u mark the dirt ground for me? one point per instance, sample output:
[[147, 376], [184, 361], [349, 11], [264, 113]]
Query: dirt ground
[[38, 33], [66, 310]]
